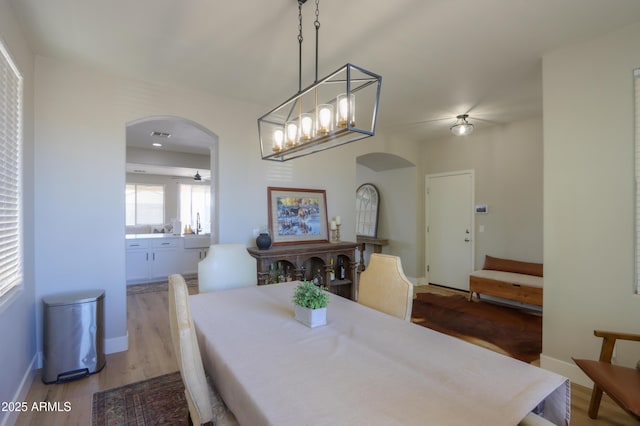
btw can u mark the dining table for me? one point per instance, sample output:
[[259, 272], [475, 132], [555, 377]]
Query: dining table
[[363, 367]]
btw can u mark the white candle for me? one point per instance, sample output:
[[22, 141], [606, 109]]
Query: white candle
[[333, 224], [338, 220]]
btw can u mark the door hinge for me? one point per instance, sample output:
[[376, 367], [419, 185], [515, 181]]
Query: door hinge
[[427, 268]]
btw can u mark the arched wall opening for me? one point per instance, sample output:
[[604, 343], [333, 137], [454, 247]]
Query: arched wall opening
[[396, 180], [187, 148]]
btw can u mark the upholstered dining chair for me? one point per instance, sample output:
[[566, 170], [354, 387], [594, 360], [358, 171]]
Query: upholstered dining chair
[[384, 287], [185, 346], [622, 384], [227, 266]]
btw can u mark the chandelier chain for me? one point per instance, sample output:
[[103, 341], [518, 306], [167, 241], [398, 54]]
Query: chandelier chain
[[300, 22], [317, 25], [300, 45]]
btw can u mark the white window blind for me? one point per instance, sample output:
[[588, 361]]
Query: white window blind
[[144, 204], [195, 202], [10, 173]]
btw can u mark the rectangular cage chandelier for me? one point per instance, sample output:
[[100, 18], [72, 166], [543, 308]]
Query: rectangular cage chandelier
[[333, 111]]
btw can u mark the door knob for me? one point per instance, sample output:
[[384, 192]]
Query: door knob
[[466, 240]]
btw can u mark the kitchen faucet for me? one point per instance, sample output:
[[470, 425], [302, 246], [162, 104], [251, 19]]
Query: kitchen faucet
[[198, 228]]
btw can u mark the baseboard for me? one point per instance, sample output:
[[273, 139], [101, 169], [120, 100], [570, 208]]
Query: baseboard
[[566, 369], [418, 281], [22, 391], [116, 344]]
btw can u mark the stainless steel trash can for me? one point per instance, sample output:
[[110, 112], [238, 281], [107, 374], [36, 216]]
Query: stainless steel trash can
[[73, 343]]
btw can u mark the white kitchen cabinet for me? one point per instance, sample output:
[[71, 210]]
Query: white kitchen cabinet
[[153, 259], [190, 259], [137, 265]]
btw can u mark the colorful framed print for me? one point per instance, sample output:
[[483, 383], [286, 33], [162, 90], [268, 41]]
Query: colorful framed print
[[297, 215]]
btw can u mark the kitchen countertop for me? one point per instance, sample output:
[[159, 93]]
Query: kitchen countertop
[[160, 236]]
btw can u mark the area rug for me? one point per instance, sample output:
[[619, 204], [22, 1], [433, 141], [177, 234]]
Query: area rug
[[157, 401], [158, 286], [511, 331]]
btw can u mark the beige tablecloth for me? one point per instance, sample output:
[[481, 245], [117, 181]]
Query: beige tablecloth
[[363, 368]]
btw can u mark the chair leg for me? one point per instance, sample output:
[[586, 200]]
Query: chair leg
[[594, 404]]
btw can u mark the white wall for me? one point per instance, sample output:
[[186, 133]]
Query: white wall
[[507, 160], [589, 199], [18, 351]]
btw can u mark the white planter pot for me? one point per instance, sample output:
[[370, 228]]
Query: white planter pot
[[311, 317]]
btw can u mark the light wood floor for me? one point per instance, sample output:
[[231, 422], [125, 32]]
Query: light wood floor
[[150, 354]]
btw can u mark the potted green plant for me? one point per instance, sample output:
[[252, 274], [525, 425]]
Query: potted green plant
[[310, 303]]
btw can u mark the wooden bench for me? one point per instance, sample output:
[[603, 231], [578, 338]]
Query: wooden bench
[[508, 279]]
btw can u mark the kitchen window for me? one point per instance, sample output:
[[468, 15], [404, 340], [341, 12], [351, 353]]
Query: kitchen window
[[144, 204], [195, 207]]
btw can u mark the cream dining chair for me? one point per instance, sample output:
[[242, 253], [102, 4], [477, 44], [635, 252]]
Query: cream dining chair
[[227, 266], [205, 406], [384, 287]]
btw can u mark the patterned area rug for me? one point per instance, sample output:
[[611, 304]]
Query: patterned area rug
[[157, 401], [509, 331], [192, 282]]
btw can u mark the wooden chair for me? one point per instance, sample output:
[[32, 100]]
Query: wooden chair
[[622, 384], [384, 287], [204, 403], [227, 266]]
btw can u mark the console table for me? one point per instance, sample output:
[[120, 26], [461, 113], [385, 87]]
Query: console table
[[377, 244], [306, 261]]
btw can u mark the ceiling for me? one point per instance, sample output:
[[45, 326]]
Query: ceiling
[[180, 135], [437, 58]]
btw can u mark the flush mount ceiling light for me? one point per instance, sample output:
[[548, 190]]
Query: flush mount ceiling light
[[197, 176], [462, 126], [325, 114]]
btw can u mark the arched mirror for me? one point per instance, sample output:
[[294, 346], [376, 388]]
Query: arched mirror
[[367, 206]]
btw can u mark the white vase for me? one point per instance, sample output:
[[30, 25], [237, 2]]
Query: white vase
[[311, 317]]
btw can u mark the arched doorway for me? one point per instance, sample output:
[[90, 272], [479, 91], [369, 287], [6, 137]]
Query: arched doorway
[[398, 222], [176, 147]]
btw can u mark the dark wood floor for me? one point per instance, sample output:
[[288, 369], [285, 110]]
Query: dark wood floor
[[150, 354]]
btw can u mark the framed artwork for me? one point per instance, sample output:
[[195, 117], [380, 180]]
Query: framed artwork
[[297, 215], [367, 205]]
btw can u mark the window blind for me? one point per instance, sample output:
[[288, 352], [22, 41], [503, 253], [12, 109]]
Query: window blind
[[144, 204], [10, 173], [195, 200]]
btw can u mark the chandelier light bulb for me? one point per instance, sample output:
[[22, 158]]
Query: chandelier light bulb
[[346, 110], [325, 119], [292, 134], [306, 127], [278, 138]]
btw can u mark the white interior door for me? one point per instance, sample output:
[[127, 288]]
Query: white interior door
[[450, 229]]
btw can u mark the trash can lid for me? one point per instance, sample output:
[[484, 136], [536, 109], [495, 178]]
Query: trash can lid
[[73, 297]]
